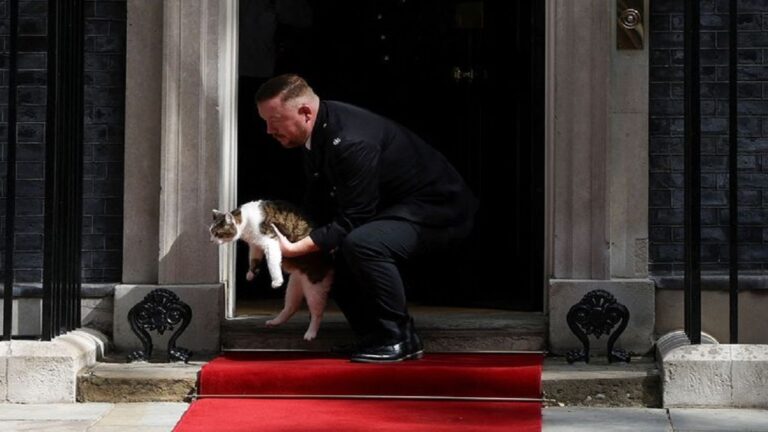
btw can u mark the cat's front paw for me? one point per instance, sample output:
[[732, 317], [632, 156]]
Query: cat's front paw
[[277, 282], [250, 276], [274, 322], [310, 335]]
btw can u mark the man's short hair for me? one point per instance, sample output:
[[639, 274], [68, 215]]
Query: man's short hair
[[287, 86]]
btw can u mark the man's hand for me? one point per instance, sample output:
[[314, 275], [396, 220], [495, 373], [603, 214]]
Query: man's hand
[[286, 246], [292, 249]]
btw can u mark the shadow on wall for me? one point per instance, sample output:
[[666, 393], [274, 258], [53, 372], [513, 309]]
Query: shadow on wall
[[191, 259]]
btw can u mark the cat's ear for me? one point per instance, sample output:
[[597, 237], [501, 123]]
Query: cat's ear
[[217, 214]]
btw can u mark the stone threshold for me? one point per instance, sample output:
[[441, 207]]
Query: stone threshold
[[441, 328]]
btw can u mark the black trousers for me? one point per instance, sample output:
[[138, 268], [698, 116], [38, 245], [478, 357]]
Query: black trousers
[[368, 284]]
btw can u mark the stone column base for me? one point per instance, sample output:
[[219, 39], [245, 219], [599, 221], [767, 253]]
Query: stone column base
[[46, 372], [201, 336], [636, 294], [712, 375]]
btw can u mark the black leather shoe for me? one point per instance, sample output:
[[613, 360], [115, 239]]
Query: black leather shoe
[[382, 353], [414, 346]]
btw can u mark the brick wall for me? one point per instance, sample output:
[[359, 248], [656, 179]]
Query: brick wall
[[666, 135], [103, 132]]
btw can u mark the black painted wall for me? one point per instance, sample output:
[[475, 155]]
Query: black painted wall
[[105, 30], [666, 135]]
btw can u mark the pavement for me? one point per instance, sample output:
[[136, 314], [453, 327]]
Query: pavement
[[162, 416]]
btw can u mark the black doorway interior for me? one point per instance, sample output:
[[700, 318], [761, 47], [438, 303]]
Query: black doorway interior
[[468, 76]]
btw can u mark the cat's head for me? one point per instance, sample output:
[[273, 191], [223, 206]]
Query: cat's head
[[225, 227]]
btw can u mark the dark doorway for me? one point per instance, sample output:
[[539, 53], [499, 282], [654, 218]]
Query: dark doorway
[[467, 76]]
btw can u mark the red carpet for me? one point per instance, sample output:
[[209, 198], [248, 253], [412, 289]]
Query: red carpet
[[305, 415], [476, 375], [298, 381]]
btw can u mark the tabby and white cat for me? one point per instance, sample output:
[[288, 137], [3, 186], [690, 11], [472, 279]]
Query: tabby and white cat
[[310, 275]]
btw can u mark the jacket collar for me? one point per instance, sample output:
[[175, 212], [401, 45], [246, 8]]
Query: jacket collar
[[321, 125]]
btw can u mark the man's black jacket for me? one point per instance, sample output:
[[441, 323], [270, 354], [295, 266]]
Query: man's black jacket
[[365, 167]]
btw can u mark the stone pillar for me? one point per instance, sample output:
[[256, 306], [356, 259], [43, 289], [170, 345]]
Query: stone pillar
[[143, 91], [597, 144], [628, 154], [581, 67], [173, 162], [190, 160]]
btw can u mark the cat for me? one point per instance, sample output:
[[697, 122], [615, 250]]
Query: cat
[[310, 276]]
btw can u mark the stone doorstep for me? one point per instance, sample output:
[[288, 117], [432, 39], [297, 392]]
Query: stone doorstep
[[117, 381], [442, 329], [597, 384], [592, 385], [602, 384]]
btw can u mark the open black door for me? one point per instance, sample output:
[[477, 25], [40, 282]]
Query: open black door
[[467, 76]]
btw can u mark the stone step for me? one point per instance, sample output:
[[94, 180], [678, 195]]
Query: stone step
[[602, 384], [114, 380], [441, 329], [597, 384]]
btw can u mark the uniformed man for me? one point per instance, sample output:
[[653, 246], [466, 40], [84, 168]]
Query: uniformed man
[[392, 196]]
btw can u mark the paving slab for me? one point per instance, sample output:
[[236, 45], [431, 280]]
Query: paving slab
[[577, 419], [726, 419], [162, 417], [131, 429], [64, 411], [44, 425], [159, 414]]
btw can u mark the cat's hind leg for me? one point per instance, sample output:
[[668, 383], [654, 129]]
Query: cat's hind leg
[[255, 255], [317, 297], [293, 297]]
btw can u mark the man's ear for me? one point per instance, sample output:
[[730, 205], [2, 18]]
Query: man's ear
[[306, 112]]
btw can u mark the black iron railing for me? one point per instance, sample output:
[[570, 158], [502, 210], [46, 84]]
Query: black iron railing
[[64, 169], [10, 179], [692, 198], [693, 174], [63, 172], [733, 179]]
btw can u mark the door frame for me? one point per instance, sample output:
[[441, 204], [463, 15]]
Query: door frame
[[228, 67], [228, 85]]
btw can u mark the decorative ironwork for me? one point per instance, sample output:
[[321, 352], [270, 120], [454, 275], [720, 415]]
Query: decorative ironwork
[[597, 314], [161, 310]]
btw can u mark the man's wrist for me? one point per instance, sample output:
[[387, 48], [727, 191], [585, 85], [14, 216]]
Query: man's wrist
[[301, 247]]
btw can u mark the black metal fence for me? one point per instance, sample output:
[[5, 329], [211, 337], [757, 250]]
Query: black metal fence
[[63, 170], [10, 157], [692, 168]]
